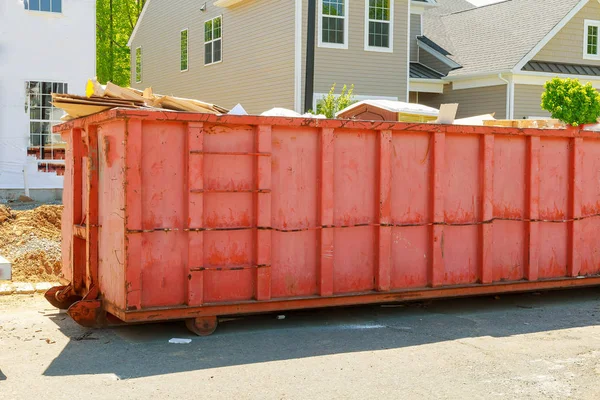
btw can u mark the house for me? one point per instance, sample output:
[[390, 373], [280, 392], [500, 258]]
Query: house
[[497, 58], [255, 52], [45, 46]]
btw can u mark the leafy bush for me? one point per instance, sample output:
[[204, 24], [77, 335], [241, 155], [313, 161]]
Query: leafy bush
[[329, 105], [571, 102]]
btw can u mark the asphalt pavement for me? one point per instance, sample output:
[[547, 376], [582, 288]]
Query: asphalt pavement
[[526, 346]]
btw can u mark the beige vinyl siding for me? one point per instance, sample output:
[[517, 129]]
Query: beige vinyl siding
[[471, 102], [567, 45], [372, 73], [527, 101], [415, 30], [426, 58], [257, 52]]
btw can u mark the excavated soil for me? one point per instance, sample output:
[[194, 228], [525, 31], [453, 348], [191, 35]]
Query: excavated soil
[[31, 240]]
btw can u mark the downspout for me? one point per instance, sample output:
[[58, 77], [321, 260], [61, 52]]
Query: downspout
[[310, 56], [508, 116]]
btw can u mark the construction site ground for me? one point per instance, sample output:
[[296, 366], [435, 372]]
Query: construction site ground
[[526, 346], [30, 238]]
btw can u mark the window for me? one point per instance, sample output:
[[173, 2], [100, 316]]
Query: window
[[213, 32], [138, 65], [42, 116], [590, 44], [379, 25], [183, 43], [44, 5], [333, 17]]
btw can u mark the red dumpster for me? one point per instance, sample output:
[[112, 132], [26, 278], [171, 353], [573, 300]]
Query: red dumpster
[[192, 216]]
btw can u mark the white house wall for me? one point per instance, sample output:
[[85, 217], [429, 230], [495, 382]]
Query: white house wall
[[42, 46]]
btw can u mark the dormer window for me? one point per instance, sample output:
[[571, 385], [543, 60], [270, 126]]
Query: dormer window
[[590, 44]]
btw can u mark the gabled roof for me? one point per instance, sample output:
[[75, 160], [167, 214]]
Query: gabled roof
[[497, 37]]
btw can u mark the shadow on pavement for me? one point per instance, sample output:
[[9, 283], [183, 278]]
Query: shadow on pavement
[[143, 350], [2, 376]]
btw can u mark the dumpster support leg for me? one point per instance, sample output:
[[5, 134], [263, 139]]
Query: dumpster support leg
[[61, 297]]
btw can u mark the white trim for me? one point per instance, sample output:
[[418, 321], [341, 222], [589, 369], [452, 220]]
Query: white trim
[[346, 27], [540, 78], [135, 71], [213, 40], [586, 24], [491, 80], [549, 36], [319, 96], [138, 23], [438, 55], [187, 51], [418, 7], [298, 59], [426, 85], [389, 49]]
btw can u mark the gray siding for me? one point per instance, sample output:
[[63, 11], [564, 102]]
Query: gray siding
[[432, 62], [415, 30], [258, 63], [567, 45], [527, 101], [372, 73], [476, 101]]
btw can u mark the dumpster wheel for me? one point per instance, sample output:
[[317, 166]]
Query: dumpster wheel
[[202, 326]]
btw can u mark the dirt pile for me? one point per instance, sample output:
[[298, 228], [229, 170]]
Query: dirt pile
[[31, 240]]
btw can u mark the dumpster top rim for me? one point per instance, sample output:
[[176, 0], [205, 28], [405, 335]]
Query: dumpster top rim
[[178, 116]]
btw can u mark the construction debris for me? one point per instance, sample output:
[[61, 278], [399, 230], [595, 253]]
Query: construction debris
[[101, 98]]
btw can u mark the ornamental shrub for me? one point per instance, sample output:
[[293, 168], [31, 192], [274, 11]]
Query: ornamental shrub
[[571, 102]]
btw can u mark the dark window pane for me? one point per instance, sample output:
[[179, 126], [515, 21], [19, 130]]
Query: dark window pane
[[35, 113], [46, 88], [208, 53], [57, 6], [34, 140], [46, 113], [65, 88], [34, 5], [208, 31], [217, 51], [46, 127], [45, 5], [55, 88], [26, 4], [35, 127], [46, 100]]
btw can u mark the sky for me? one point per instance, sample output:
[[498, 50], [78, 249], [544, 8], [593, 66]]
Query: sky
[[483, 2]]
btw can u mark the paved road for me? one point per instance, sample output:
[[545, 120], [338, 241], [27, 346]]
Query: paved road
[[544, 346]]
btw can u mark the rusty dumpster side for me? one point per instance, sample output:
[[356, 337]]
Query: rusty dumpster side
[[191, 216]]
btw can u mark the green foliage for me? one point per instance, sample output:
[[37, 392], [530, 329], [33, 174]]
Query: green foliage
[[571, 102], [330, 104], [115, 20]]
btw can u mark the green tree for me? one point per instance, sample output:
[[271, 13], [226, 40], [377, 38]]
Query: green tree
[[115, 20], [571, 102], [329, 105]]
